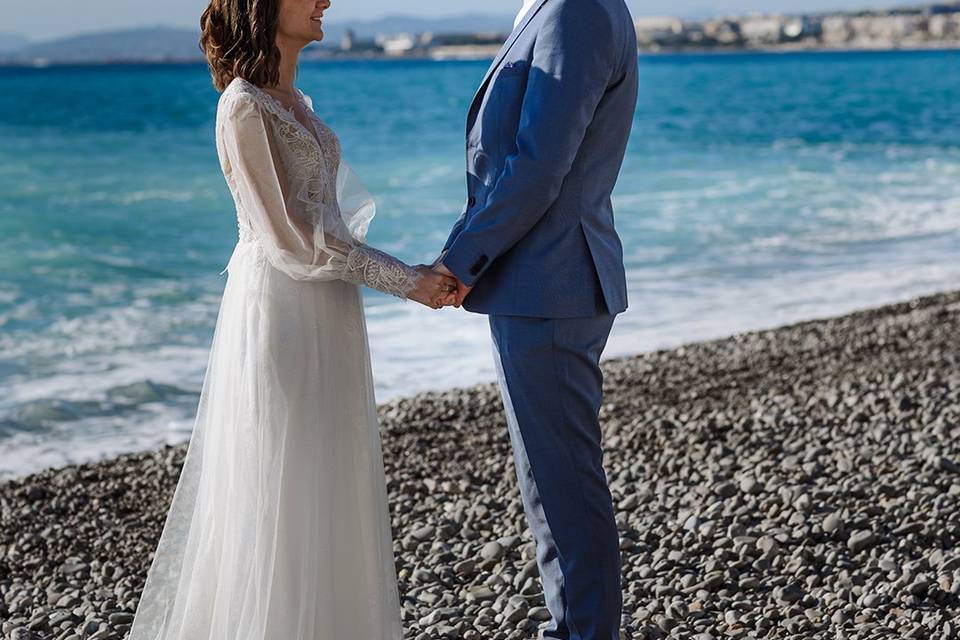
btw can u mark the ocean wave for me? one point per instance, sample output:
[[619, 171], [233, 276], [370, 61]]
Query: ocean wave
[[743, 203], [45, 414]]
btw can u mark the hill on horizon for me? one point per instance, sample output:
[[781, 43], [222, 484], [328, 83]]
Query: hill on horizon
[[157, 43], [164, 43], [11, 42], [467, 23]]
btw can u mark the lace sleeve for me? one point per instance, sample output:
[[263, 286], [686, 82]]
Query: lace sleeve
[[364, 264], [378, 270], [311, 224]]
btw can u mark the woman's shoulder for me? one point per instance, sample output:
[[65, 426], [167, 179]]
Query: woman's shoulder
[[238, 96], [243, 98]]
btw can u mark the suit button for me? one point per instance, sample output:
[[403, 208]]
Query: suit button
[[471, 202]]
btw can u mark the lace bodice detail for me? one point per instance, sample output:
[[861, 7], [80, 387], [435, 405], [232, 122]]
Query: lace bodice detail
[[296, 198]]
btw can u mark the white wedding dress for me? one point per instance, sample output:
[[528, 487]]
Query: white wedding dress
[[279, 528]]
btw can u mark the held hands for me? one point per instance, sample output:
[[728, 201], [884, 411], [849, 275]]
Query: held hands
[[438, 287], [434, 289], [461, 291]]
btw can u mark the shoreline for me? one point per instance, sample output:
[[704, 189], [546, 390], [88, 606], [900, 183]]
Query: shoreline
[[141, 391], [803, 479]]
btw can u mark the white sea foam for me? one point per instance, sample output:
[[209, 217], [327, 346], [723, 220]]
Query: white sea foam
[[722, 233]]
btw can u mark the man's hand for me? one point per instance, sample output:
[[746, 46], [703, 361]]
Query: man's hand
[[434, 290], [457, 297]]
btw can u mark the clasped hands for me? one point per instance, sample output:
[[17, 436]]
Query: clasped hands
[[438, 287]]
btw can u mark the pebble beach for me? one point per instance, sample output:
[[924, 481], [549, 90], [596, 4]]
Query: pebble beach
[[801, 482]]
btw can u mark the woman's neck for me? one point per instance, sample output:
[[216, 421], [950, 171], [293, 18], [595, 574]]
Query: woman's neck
[[289, 57]]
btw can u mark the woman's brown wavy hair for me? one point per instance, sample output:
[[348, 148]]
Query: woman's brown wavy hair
[[239, 38]]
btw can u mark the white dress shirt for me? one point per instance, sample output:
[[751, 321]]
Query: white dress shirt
[[523, 12]]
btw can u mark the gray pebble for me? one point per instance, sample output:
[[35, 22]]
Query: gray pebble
[[753, 478], [860, 540]]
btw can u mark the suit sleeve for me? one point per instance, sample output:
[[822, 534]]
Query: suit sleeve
[[574, 59], [457, 229]]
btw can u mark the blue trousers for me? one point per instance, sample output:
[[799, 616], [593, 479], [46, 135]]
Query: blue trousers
[[552, 388]]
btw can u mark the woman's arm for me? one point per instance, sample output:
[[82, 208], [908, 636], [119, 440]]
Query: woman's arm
[[306, 241]]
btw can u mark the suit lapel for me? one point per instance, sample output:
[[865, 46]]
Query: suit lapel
[[504, 50]]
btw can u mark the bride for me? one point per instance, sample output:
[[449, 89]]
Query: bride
[[279, 528]]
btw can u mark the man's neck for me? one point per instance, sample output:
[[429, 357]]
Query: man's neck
[[525, 6]]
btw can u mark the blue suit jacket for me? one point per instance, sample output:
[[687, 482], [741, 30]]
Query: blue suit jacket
[[546, 136]]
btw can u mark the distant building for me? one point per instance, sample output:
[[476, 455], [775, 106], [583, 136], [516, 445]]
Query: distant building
[[944, 26], [653, 32], [347, 41], [836, 31], [398, 45], [936, 25], [724, 32], [762, 30], [464, 46], [802, 28], [882, 30]]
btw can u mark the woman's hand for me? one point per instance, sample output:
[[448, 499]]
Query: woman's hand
[[434, 290]]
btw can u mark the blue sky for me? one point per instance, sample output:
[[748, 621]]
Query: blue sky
[[38, 19]]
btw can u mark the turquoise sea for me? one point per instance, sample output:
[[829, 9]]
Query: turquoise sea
[[758, 190]]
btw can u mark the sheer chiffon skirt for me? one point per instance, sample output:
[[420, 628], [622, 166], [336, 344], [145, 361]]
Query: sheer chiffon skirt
[[279, 528]]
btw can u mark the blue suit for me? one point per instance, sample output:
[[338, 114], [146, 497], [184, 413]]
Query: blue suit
[[546, 136]]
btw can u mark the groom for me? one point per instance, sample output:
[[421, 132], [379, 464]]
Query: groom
[[535, 249]]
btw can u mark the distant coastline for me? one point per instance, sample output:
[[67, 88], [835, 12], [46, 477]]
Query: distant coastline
[[692, 52], [927, 27]]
